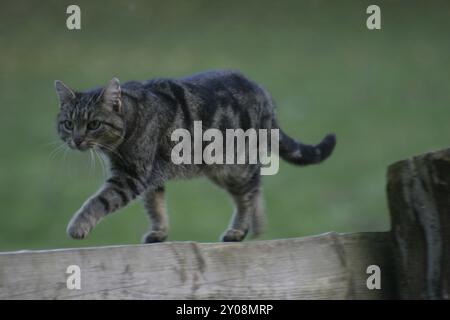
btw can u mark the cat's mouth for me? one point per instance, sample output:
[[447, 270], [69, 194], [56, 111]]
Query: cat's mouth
[[80, 145]]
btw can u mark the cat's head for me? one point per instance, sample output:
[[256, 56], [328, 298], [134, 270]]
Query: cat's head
[[92, 119]]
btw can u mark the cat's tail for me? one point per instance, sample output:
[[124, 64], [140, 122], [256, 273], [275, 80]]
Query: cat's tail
[[303, 154]]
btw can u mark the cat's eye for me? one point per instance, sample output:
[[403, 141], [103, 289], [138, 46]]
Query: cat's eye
[[68, 125], [93, 125]]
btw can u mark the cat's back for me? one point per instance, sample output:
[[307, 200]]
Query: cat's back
[[211, 97], [216, 80], [208, 85]]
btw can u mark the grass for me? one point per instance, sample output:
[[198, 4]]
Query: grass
[[384, 93]]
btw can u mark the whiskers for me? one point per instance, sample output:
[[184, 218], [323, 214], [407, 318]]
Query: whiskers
[[61, 151], [102, 162], [97, 152], [62, 147], [91, 161]]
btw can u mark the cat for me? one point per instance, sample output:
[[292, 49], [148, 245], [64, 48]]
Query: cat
[[131, 125]]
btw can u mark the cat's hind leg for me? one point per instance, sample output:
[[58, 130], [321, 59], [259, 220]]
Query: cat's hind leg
[[258, 219], [155, 205], [246, 194]]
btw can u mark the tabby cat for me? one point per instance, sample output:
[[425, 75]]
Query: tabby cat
[[131, 125]]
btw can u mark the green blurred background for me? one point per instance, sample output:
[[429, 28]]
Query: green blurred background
[[385, 94]]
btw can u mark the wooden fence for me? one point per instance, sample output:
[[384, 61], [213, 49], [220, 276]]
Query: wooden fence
[[413, 258]]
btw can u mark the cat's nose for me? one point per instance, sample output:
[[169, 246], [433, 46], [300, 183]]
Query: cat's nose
[[78, 141]]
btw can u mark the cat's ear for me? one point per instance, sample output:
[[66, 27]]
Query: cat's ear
[[65, 94], [111, 95]]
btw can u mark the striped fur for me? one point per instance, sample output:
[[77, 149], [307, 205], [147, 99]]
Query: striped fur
[[135, 122]]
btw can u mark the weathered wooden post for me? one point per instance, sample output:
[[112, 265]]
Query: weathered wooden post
[[419, 201]]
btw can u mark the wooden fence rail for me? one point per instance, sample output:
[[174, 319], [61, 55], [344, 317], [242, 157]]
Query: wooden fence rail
[[413, 257]]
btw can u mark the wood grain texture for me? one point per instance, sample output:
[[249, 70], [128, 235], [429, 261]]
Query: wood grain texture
[[329, 266], [419, 201]]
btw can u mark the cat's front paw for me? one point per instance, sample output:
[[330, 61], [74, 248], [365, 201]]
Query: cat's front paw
[[79, 227], [233, 235], [154, 236]]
